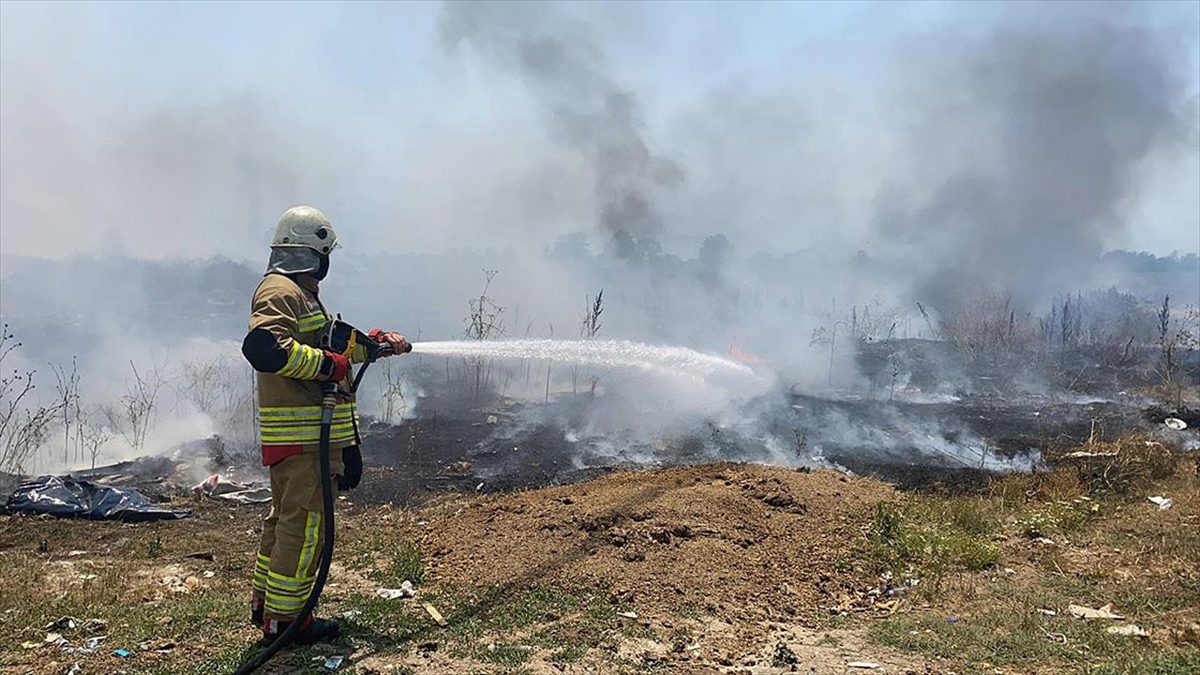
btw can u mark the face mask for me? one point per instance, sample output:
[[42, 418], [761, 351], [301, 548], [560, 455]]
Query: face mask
[[322, 268]]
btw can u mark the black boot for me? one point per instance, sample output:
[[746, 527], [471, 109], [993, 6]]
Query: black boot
[[311, 630]]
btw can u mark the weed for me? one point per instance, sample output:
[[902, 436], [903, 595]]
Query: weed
[[406, 563], [936, 542], [1060, 517]]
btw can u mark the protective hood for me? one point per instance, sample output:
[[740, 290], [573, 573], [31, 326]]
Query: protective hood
[[297, 260]]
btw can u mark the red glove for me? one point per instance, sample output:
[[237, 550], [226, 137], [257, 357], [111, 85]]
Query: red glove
[[399, 344], [335, 367]]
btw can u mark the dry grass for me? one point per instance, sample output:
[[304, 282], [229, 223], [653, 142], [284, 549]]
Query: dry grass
[[1075, 535]]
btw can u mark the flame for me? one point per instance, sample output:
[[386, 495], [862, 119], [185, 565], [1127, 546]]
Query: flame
[[744, 357]]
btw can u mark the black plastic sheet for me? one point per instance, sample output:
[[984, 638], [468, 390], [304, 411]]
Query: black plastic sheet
[[69, 498]]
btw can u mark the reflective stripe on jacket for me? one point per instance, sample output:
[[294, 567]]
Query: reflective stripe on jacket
[[289, 400]]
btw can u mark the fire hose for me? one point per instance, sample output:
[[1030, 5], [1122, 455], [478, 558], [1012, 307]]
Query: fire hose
[[330, 396]]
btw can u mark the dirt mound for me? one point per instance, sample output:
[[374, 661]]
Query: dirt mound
[[744, 539]]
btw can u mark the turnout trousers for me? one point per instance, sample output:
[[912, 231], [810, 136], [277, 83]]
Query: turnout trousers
[[292, 535]]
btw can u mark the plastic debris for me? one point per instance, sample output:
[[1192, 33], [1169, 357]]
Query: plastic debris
[[1163, 503], [435, 615], [1175, 423], [94, 642], [1083, 612], [952, 619], [333, 662], [627, 615], [61, 623], [1130, 630], [122, 653], [70, 498], [76, 669], [406, 590], [1047, 612], [492, 419], [241, 493], [866, 665]]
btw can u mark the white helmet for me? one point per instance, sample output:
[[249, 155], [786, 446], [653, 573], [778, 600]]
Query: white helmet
[[305, 227]]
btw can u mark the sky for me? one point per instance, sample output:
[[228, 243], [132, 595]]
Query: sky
[[183, 129]]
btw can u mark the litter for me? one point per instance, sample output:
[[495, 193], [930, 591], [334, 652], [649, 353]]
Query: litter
[[627, 615], [94, 642], [62, 623], [1082, 612], [1175, 423], [70, 498], [122, 653], [333, 662], [1163, 503], [1130, 630], [406, 590], [867, 665], [1047, 612], [241, 493], [55, 638], [435, 615], [76, 669]]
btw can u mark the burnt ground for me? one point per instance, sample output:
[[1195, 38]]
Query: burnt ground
[[511, 446]]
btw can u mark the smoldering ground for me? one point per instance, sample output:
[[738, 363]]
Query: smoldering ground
[[992, 156]]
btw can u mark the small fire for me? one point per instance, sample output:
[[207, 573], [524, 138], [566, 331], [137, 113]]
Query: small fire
[[744, 357]]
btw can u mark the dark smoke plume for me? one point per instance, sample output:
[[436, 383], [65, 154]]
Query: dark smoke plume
[[1024, 148], [584, 107]]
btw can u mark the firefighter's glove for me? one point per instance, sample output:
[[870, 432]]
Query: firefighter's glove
[[352, 473], [334, 367], [398, 343]]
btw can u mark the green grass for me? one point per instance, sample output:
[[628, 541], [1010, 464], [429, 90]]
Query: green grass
[[406, 563], [932, 537]]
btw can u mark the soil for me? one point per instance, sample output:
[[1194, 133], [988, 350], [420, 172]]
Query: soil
[[742, 543]]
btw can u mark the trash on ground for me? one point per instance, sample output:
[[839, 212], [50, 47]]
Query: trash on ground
[[952, 619], [70, 498], [93, 642], [1163, 503], [76, 669], [1131, 630], [435, 615], [54, 638], [1047, 612], [333, 662], [867, 665], [1175, 423], [241, 493], [406, 590], [122, 653], [627, 615], [61, 623], [1083, 612]]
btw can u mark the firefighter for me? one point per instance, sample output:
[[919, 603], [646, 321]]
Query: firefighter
[[284, 344]]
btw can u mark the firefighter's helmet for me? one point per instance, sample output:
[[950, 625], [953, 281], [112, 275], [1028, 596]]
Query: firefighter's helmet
[[306, 227]]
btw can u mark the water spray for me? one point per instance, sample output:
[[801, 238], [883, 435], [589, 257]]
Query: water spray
[[657, 359]]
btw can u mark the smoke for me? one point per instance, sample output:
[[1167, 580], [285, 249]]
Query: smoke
[[779, 183], [584, 107], [1025, 147]]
